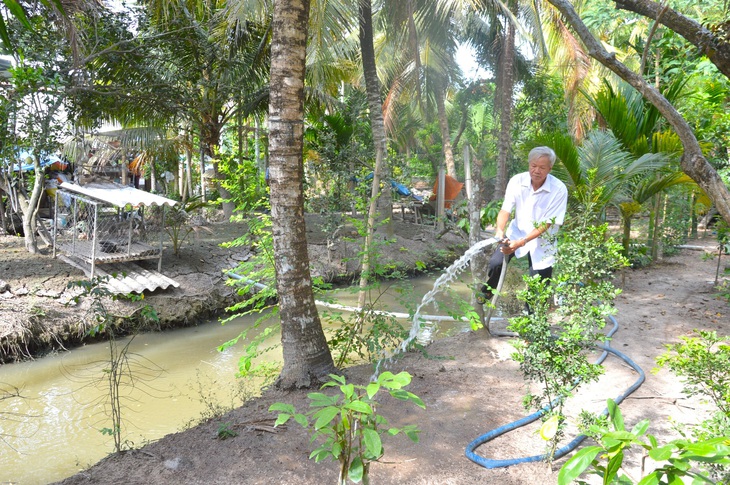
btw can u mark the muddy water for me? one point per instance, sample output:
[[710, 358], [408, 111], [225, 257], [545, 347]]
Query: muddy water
[[55, 430]]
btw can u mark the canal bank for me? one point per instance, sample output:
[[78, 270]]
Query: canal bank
[[39, 314]]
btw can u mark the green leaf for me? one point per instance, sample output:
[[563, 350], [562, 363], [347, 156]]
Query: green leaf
[[613, 466], [709, 450], [347, 390], [318, 399], [402, 379], [680, 464], [650, 479], [662, 453], [640, 428], [282, 407], [16, 10], [356, 470], [336, 449], [574, 467], [360, 407], [412, 432], [339, 379], [4, 36], [302, 420], [404, 395], [324, 416], [372, 442], [281, 419], [372, 389], [319, 454], [616, 418], [57, 3]]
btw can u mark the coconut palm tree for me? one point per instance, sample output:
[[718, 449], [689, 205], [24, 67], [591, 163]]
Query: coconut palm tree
[[639, 126], [492, 32], [307, 358]]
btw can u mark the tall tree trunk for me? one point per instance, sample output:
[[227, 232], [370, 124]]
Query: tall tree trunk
[[257, 149], [307, 358], [30, 207], [188, 171], [380, 200], [445, 132], [506, 88], [479, 263], [153, 176], [203, 195], [212, 143], [3, 220]]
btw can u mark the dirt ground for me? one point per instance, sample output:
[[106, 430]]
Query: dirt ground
[[468, 383]]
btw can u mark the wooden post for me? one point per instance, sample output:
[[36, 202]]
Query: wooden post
[[162, 231], [124, 167], [467, 172], [55, 221], [440, 212], [93, 240]]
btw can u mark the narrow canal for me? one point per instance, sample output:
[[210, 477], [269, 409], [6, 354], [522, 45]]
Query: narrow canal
[[56, 428]]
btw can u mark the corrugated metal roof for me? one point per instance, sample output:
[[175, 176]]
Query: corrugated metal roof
[[131, 278], [117, 194], [125, 278]]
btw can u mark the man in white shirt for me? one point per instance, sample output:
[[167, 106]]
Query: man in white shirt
[[539, 201]]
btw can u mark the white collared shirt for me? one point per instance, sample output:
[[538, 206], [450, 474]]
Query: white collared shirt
[[532, 208]]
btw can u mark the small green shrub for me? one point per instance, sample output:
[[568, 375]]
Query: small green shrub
[[225, 431], [679, 457], [551, 347], [703, 365], [348, 425]]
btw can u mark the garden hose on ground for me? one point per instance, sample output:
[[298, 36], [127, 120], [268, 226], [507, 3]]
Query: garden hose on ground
[[493, 463]]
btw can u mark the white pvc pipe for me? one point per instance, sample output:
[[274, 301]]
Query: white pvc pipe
[[337, 306]]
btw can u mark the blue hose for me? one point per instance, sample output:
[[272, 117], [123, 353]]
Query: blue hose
[[490, 463]]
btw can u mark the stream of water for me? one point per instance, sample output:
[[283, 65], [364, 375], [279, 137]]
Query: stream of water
[[55, 430]]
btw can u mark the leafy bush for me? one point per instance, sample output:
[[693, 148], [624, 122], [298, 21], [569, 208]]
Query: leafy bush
[[551, 351], [606, 458], [703, 365], [348, 423], [259, 295]]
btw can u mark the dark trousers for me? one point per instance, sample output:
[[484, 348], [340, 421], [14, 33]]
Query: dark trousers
[[495, 268]]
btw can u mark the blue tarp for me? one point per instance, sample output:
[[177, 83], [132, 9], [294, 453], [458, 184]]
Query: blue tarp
[[47, 160], [398, 187]]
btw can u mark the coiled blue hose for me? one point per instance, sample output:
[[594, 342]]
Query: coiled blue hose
[[492, 463]]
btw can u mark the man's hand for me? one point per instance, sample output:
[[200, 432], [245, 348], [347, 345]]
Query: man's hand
[[508, 247]]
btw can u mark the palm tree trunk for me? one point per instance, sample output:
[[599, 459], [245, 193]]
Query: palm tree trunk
[[307, 357], [627, 235], [445, 132], [380, 200], [202, 167], [506, 88]]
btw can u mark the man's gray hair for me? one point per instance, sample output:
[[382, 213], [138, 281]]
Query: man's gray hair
[[539, 152]]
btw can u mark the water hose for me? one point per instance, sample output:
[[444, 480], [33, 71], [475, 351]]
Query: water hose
[[559, 453], [493, 303]]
